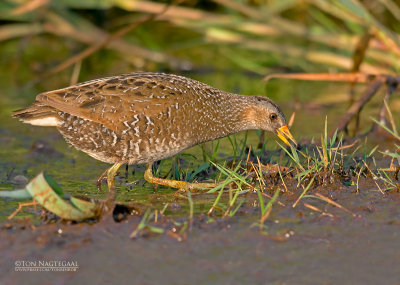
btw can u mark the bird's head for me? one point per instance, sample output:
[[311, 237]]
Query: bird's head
[[265, 115]]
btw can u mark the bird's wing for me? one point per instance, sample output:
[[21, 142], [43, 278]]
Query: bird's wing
[[114, 101]]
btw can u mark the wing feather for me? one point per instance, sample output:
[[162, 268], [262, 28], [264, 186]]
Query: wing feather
[[114, 101]]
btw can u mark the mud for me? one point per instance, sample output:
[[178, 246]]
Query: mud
[[299, 245]]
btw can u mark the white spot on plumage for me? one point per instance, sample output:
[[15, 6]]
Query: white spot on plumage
[[149, 121], [136, 131], [128, 127], [94, 142], [114, 138], [125, 150], [136, 117], [130, 89]]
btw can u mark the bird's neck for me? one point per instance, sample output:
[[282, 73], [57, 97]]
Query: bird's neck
[[231, 116], [240, 111]]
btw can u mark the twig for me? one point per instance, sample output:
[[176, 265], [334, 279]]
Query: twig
[[248, 156], [75, 73], [95, 47], [244, 9], [270, 197], [28, 6], [304, 192], [311, 207], [343, 77], [264, 217], [330, 201], [291, 120], [357, 106], [20, 206]]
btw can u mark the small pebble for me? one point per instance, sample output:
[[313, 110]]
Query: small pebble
[[19, 181]]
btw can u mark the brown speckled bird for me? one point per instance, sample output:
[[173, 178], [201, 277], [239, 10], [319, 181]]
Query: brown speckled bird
[[144, 117]]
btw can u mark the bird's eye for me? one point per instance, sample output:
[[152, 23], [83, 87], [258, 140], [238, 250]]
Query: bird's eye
[[273, 116]]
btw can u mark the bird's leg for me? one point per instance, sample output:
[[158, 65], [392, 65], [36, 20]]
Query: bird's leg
[[148, 175], [107, 206], [100, 179], [126, 172]]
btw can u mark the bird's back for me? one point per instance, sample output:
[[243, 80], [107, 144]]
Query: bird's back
[[132, 118]]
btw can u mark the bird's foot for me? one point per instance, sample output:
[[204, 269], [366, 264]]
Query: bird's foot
[[100, 179], [182, 185], [107, 206], [197, 186]]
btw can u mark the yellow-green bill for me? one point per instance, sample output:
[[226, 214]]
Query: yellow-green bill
[[284, 134]]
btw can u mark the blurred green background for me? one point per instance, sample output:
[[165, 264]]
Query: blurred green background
[[234, 41], [229, 44]]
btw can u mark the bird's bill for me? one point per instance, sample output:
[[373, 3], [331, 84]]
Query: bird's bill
[[284, 134]]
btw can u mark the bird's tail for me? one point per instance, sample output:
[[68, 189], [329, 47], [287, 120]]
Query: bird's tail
[[38, 114]]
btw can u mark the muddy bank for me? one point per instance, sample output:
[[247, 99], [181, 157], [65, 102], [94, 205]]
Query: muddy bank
[[299, 246]]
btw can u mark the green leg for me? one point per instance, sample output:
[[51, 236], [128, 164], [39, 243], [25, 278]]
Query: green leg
[[148, 175], [100, 179], [109, 202]]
